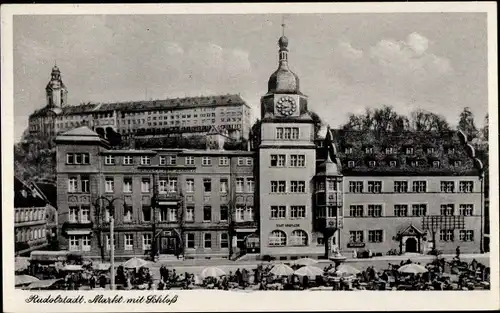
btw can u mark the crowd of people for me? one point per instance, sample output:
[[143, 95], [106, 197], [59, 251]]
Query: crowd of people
[[436, 275]]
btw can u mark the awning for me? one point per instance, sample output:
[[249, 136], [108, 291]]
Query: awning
[[167, 203], [246, 230], [79, 232]]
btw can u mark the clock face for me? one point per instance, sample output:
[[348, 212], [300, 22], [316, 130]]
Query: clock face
[[286, 106]]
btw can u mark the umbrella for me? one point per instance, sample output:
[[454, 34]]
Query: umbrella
[[102, 266], [282, 270], [309, 271], [21, 263], [44, 283], [72, 268], [212, 272], [306, 261], [412, 269], [135, 263], [25, 279], [198, 280], [345, 270]]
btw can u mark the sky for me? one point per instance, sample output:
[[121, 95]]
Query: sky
[[346, 62]]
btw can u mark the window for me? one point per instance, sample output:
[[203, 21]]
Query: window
[[70, 158], [369, 150], [223, 161], [163, 214], [85, 214], [146, 213], [419, 209], [393, 163], [127, 160], [400, 210], [466, 235], [240, 182], [145, 185], [85, 243], [249, 213], [356, 210], [189, 214], [172, 214], [389, 150], [127, 213], [145, 160], [295, 133], [279, 133], [223, 185], [189, 160], [190, 241], [78, 158], [207, 240], [241, 161], [224, 240], [375, 235], [375, 186], [446, 235], [239, 214], [172, 185], [278, 160], [206, 161], [250, 185], [207, 213], [436, 164], [73, 214], [249, 161], [356, 236], [162, 186], [278, 212], [466, 209], [348, 150], [374, 210], [189, 185], [74, 243], [72, 184], [297, 211], [129, 242], [400, 186], [85, 181], [127, 185], [207, 185], [163, 160], [172, 160], [356, 186], [297, 160], [147, 239], [430, 150], [109, 185], [447, 209], [109, 159], [447, 186], [223, 213], [277, 238], [298, 238], [419, 186], [457, 163], [409, 150], [466, 186], [332, 185], [372, 163], [297, 186], [351, 164]]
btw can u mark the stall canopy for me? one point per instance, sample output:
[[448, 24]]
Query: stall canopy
[[42, 284], [49, 256], [25, 279]]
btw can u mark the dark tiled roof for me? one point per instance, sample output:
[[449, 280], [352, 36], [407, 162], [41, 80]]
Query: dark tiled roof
[[25, 197], [49, 190], [427, 147]]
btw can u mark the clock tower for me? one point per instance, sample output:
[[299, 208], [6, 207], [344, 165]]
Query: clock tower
[[287, 160]]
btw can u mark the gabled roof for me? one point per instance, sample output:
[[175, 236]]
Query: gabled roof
[[82, 134], [80, 131], [410, 229]]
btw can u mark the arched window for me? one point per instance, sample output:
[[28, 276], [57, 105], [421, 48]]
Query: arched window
[[277, 238], [299, 238]]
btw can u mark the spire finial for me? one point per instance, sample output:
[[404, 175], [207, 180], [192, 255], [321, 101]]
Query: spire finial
[[283, 25]]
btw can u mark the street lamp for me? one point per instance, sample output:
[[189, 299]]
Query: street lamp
[[111, 209]]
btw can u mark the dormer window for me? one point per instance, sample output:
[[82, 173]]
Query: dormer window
[[369, 150], [436, 164], [409, 150], [393, 163], [350, 164], [389, 150], [348, 150], [450, 150], [430, 150], [372, 163], [457, 163]]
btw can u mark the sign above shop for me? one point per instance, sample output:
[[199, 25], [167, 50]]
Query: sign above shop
[[287, 225], [355, 245]]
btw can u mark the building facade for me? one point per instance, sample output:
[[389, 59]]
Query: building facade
[[293, 195], [30, 218], [186, 116]]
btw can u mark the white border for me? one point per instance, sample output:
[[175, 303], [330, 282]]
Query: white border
[[234, 301]]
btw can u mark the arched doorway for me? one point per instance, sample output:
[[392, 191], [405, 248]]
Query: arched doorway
[[411, 245]]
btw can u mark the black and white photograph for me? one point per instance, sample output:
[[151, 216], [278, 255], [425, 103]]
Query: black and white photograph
[[158, 151]]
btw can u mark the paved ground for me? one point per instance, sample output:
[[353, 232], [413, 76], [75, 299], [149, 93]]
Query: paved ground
[[196, 266]]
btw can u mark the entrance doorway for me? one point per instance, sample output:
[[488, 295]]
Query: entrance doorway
[[168, 245], [411, 245]]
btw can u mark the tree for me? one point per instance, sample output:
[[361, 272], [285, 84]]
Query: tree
[[318, 123], [380, 119], [466, 123], [422, 120], [35, 158]]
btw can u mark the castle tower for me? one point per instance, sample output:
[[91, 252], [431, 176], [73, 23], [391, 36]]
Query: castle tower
[[56, 92]]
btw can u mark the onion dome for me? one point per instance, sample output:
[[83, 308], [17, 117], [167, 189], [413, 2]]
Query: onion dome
[[283, 80], [328, 168]]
